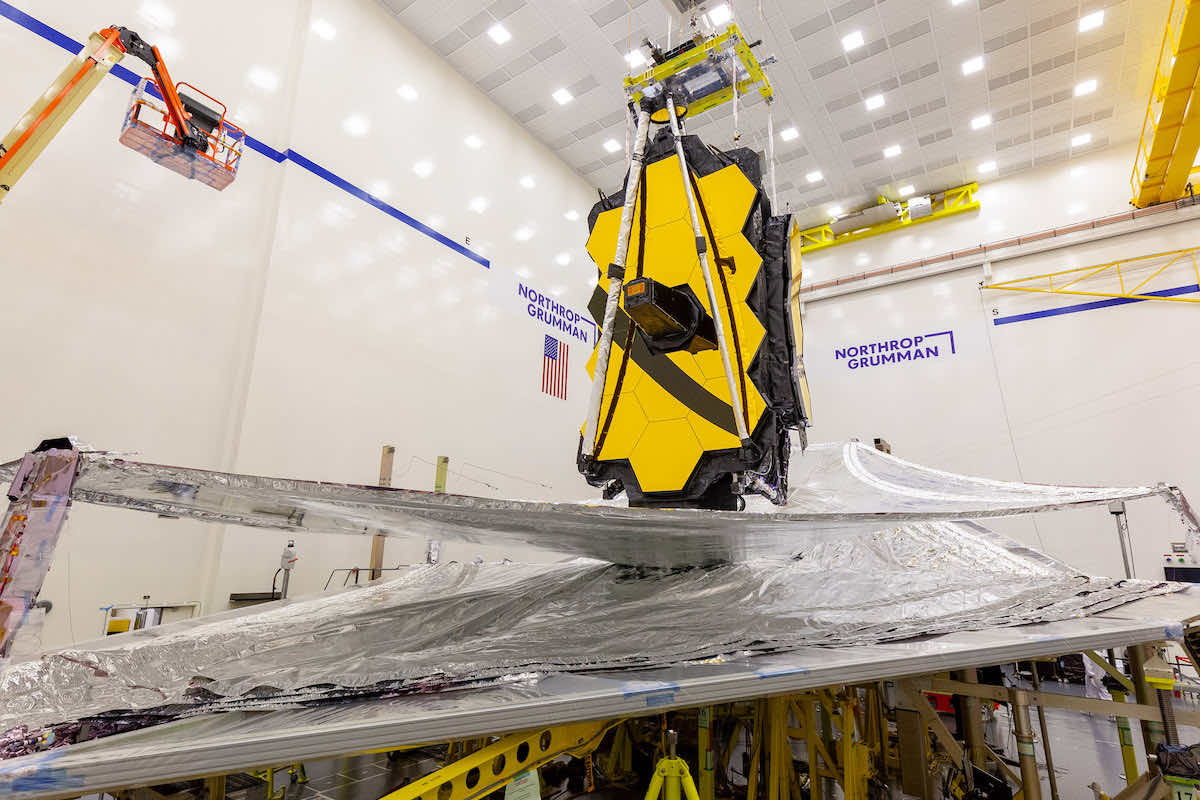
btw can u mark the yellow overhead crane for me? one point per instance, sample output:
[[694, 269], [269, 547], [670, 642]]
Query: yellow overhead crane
[[888, 217], [1170, 136]]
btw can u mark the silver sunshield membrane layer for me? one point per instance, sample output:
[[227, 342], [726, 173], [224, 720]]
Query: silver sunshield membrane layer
[[452, 625], [836, 489]]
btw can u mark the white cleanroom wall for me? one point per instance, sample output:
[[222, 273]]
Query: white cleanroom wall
[[288, 325], [1096, 397]]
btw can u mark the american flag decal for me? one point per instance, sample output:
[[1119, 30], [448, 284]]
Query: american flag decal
[[554, 368]]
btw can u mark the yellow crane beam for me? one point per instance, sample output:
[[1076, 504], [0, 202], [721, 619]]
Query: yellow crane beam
[[1170, 136], [944, 204]]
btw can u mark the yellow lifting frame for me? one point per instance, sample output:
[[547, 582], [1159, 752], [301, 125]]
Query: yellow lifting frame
[[636, 85], [1110, 269], [959, 200], [1170, 137], [496, 765]]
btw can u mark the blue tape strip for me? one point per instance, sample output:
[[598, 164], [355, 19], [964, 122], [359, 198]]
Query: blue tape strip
[[40, 28], [391, 211], [780, 672], [636, 688], [132, 78], [1075, 309]]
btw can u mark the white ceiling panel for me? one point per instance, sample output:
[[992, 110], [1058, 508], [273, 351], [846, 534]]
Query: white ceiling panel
[[1034, 56]]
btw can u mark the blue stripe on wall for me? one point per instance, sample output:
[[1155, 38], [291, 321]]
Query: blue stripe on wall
[[1092, 306], [71, 46]]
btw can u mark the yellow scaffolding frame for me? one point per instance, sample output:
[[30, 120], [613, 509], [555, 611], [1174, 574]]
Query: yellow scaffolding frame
[[731, 37], [1170, 137], [945, 204], [1110, 269]]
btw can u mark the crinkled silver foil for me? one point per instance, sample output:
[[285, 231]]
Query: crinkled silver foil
[[837, 489], [870, 549], [446, 625]]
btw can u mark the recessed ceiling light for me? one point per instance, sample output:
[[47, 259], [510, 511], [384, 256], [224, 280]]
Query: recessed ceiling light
[[834, 211], [499, 33], [1086, 87], [906, 191], [324, 29], [478, 204], [263, 78], [720, 14], [562, 259], [423, 168], [972, 65], [1078, 172], [158, 14], [987, 166], [473, 142], [1081, 140], [356, 125], [408, 93], [562, 96], [891, 152], [814, 177], [788, 134], [527, 181], [523, 233], [1091, 21], [982, 121], [612, 145], [957, 2], [874, 101], [853, 41], [635, 58], [572, 215]]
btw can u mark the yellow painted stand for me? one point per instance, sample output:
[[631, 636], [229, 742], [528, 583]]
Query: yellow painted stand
[[671, 777]]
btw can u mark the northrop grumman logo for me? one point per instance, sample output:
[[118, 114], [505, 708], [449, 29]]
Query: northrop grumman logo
[[897, 351]]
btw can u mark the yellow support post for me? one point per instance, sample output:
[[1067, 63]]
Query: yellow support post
[[1125, 737], [706, 757], [671, 777], [439, 476]]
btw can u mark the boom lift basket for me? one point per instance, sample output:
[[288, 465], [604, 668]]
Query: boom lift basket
[[148, 129]]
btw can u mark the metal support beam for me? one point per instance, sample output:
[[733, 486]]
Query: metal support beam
[[387, 459], [1152, 729], [958, 200], [496, 765], [1031, 783], [1169, 141], [1037, 684], [970, 711], [706, 755], [40, 497]]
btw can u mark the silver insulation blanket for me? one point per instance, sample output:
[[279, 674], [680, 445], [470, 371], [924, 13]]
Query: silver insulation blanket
[[869, 549], [452, 625], [837, 489]]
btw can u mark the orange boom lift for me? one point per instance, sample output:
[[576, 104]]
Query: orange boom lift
[[183, 134]]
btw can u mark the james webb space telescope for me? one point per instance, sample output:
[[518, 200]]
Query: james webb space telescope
[[698, 376]]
